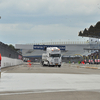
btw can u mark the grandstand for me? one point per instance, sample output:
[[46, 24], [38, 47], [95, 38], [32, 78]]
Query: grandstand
[[93, 32], [71, 50]]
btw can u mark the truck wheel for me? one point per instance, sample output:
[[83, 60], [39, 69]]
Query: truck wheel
[[59, 65], [43, 63], [48, 64]]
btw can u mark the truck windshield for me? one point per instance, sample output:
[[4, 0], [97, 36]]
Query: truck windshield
[[55, 55]]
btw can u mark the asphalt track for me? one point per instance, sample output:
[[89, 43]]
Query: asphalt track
[[49, 83]]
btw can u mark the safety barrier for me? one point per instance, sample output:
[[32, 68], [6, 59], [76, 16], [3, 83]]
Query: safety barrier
[[6, 62]]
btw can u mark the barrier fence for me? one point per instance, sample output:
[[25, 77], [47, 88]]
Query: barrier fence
[[6, 51], [64, 42]]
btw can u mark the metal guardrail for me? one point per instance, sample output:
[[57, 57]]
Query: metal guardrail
[[61, 43]]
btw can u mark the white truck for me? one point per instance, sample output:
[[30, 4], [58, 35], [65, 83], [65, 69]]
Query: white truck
[[52, 57]]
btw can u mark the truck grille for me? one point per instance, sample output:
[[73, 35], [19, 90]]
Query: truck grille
[[56, 60]]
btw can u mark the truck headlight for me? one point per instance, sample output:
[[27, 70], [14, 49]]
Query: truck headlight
[[51, 62]]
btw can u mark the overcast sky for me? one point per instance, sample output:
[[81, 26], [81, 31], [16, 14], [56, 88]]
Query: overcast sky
[[29, 21]]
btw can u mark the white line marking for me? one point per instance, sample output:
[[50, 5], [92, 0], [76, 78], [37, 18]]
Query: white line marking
[[3, 71], [36, 91]]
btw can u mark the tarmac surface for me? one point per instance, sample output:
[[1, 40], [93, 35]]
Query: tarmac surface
[[35, 82]]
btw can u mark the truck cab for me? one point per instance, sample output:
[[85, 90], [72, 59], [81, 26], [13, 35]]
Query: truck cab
[[52, 57]]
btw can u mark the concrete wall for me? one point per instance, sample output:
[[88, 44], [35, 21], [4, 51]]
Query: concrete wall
[[6, 62]]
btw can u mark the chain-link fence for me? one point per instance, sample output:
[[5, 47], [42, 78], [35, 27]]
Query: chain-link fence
[[7, 51]]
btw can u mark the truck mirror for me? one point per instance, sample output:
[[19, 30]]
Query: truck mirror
[[45, 48]]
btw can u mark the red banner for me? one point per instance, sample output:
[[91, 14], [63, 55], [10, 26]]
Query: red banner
[[19, 57], [0, 56]]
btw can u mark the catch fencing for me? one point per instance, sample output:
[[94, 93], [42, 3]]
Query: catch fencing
[[7, 51]]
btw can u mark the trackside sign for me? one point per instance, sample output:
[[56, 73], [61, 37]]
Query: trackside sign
[[42, 47]]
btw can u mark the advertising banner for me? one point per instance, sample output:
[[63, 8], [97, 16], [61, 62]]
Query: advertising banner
[[42, 47], [19, 57]]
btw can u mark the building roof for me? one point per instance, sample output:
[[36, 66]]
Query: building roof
[[92, 31]]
